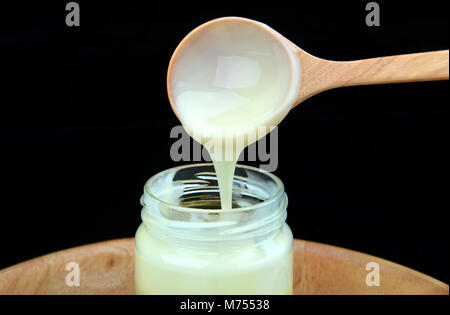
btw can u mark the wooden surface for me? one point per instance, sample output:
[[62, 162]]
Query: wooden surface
[[108, 268], [319, 74]]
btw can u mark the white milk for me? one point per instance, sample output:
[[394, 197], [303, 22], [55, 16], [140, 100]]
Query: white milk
[[182, 250], [248, 269], [227, 82]]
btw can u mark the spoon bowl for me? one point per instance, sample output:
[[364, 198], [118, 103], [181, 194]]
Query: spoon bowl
[[231, 72]]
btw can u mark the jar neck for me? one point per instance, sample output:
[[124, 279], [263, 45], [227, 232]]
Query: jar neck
[[228, 226], [260, 206]]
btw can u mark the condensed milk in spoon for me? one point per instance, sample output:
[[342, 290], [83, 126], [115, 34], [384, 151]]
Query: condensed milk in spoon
[[232, 79], [229, 83]]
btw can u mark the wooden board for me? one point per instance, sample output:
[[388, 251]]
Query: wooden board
[[108, 268]]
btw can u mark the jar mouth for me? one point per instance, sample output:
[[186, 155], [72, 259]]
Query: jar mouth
[[279, 191]]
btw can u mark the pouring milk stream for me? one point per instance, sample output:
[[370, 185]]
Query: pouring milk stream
[[229, 84]]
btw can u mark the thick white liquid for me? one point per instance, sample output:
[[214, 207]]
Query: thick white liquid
[[231, 80], [162, 268], [193, 251], [229, 86]]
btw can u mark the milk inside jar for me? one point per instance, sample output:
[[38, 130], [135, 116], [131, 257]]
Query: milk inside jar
[[187, 245]]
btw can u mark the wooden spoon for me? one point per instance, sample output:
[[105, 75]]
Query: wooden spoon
[[320, 74], [197, 56]]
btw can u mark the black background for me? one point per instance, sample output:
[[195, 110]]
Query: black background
[[85, 120]]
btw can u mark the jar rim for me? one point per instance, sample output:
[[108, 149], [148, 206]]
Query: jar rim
[[151, 180]]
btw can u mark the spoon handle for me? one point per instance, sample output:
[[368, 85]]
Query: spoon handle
[[428, 66], [320, 74]]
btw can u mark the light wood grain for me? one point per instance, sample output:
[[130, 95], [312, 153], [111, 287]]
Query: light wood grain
[[108, 268], [325, 269], [319, 74]]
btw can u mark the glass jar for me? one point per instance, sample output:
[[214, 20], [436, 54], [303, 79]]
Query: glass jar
[[187, 245]]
